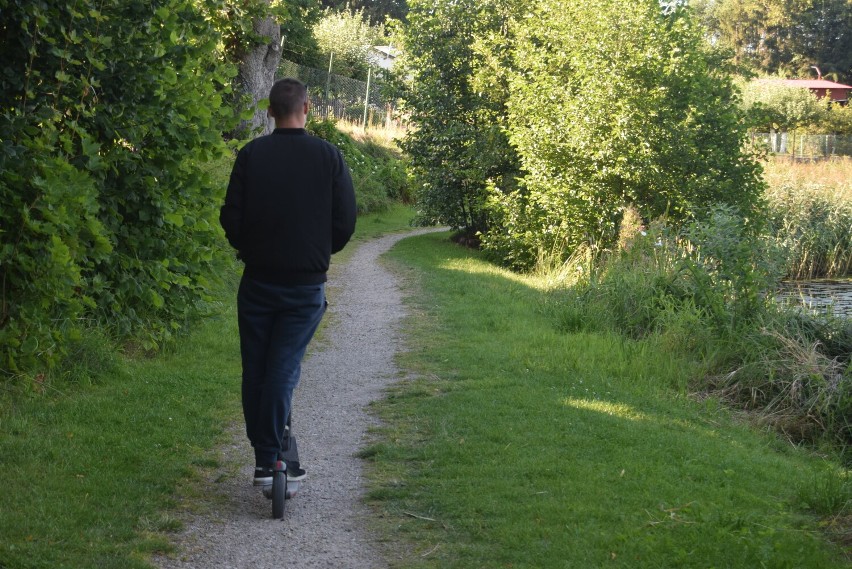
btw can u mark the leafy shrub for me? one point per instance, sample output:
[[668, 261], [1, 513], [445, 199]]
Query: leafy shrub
[[616, 103], [455, 100], [108, 113]]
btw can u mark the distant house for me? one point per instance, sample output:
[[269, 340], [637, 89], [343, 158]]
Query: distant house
[[836, 92], [384, 56]]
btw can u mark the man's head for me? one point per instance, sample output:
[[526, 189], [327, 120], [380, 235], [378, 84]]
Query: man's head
[[288, 100]]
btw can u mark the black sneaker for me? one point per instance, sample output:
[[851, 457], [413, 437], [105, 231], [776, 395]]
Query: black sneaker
[[295, 473], [263, 476]]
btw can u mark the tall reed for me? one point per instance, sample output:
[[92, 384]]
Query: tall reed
[[810, 216]]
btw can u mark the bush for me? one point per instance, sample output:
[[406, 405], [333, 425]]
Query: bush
[[108, 113], [617, 103], [454, 95]]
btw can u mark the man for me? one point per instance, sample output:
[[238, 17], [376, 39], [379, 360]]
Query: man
[[290, 204]]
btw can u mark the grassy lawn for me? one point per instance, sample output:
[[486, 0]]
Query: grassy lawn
[[91, 470], [514, 444], [88, 470]]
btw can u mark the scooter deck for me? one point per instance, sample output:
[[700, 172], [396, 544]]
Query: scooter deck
[[290, 454]]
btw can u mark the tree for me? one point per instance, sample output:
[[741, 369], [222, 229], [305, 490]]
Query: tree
[[252, 34], [615, 103], [784, 37], [777, 107], [298, 43], [457, 145], [375, 10], [350, 37], [823, 38]]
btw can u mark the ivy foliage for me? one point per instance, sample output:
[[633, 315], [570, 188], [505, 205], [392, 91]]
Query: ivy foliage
[[109, 110]]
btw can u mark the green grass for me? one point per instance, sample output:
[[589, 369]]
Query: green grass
[[396, 218], [88, 472], [515, 444], [95, 470]]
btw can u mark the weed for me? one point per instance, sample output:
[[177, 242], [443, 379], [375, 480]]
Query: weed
[[827, 493]]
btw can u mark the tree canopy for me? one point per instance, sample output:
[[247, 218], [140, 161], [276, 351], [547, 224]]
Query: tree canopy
[[350, 36], [785, 37], [535, 126], [456, 104], [376, 10]]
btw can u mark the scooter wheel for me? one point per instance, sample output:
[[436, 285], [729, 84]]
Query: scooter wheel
[[279, 490]]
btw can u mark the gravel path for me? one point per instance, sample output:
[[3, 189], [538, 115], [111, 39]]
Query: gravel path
[[346, 370]]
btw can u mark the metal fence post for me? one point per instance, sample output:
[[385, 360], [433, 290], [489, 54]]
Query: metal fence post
[[328, 79], [367, 96]]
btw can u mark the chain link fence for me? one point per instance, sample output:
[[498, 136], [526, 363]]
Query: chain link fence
[[803, 146], [338, 97]]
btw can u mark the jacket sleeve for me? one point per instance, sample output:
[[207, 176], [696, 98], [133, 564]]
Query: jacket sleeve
[[231, 214], [344, 209]]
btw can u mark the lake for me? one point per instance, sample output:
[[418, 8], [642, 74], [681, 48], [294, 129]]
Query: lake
[[820, 295]]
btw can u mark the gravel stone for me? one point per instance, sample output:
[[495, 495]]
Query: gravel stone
[[323, 526]]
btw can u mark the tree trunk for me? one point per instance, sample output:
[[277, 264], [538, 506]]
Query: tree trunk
[[257, 74]]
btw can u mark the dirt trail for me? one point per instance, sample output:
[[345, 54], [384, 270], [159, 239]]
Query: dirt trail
[[323, 527]]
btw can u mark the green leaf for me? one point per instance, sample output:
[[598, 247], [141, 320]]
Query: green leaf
[[156, 300], [174, 219]]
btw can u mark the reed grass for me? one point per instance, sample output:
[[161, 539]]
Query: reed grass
[[810, 214], [834, 175]]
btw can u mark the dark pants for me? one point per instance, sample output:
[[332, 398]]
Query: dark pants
[[276, 324]]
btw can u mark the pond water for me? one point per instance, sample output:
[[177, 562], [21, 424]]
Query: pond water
[[820, 295]]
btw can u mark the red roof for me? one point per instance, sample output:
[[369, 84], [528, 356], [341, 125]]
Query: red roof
[[809, 83]]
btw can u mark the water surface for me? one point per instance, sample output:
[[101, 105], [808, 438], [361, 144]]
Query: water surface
[[823, 296]]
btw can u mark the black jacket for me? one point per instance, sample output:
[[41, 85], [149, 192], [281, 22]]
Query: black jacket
[[290, 204]]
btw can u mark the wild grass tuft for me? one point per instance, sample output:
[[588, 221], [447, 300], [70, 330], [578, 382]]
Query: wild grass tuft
[[705, 293], [792, 380]]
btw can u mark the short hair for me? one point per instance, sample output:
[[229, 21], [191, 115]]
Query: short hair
[[287, 97]]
